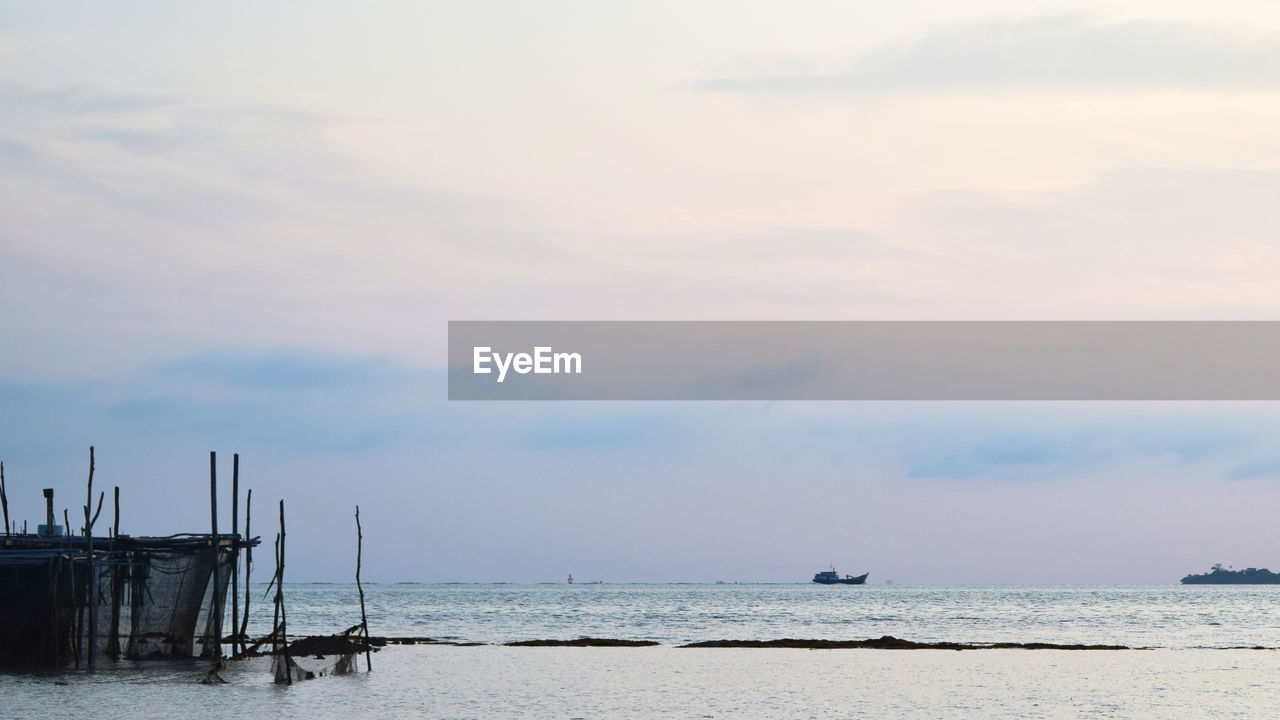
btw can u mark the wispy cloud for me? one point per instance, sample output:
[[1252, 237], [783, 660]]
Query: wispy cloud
[[1046, 450], [82, 99], [291, 399], [284, 370], [167, 158], [1055, 52]]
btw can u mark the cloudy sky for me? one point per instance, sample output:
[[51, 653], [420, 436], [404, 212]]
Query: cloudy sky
[[244, 226]]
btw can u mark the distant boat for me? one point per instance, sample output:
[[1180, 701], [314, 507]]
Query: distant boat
[[570, 578], [831, 577]]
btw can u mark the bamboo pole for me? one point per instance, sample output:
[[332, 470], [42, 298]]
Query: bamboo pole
[[364, 619]]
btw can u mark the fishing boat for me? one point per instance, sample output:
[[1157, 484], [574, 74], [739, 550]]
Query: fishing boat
[[831, 577]]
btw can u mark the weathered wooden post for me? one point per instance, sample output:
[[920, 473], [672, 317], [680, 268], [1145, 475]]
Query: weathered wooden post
[[92, 600], [364, 619], [215, 606], [4, 501], [284, 635], [248, 562], [113, 641], [235, 557], [275, 615]]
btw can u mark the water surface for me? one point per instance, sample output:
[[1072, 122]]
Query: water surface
[[1188, 675]]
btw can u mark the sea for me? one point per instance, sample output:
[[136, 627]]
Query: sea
[[1196, 651]]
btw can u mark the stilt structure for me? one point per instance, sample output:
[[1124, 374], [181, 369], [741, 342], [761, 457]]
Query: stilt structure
[[166, 593]]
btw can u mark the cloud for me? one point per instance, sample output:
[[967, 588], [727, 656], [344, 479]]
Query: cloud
[[1047, 448], [302, 401], [82, 99], [156, 158], [1055, 52], [133, 220], [284, 370], [1138, 243], [1267, 467]]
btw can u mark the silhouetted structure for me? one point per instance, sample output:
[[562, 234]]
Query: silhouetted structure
[[153, 599], [70, 599]]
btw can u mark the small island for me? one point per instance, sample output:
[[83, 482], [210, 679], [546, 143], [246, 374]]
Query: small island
[[1219, 575]]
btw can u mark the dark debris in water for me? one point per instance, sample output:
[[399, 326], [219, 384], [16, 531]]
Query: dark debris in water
[[328, 645], [888, 642], [381, 641], [341, 645], [583, 642]]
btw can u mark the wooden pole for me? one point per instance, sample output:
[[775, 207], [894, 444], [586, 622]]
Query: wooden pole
[[113, 639], [235, 557], [88, 502], [275, 616], [248, 563], [77, 623], [284, 636], [92, 600], [364, 619], [215, 606], [4, 501], [56, 627]]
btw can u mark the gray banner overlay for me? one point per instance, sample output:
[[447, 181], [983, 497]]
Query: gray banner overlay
[[714, 360]]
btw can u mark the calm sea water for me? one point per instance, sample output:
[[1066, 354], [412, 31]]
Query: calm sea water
[[1187, 672], [1167, 616]]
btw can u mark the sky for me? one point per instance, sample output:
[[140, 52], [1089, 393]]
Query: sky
[[244, 226]]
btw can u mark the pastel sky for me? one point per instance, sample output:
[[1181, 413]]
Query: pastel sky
[[243, 226]]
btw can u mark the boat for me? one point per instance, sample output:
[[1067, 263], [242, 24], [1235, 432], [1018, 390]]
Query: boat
[[831, 577]]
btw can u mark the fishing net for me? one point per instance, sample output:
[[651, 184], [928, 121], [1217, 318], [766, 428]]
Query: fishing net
[[337, 655], [286, 670], [170, 603], [153, 598], [36, 609]]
